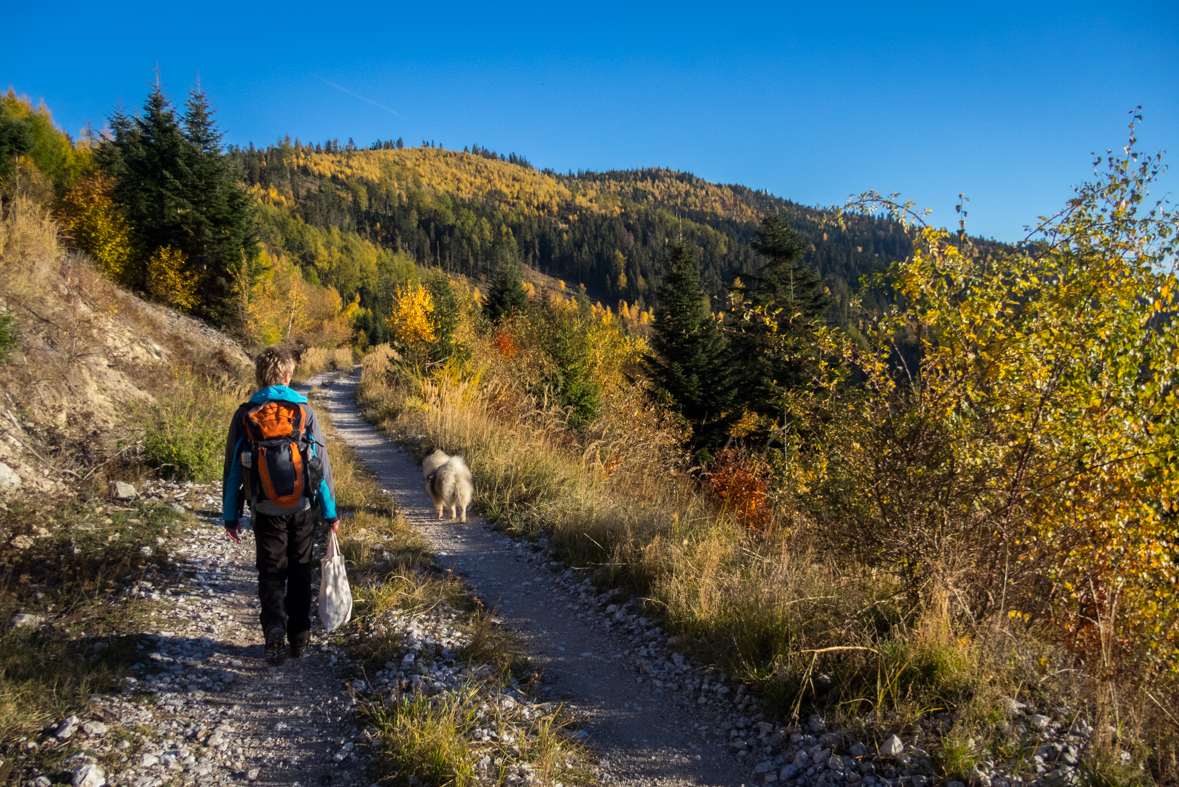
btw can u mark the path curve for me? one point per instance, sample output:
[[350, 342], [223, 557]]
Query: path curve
[[646, 735]]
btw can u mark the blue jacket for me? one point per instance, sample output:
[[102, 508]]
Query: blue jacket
[[233, 493]]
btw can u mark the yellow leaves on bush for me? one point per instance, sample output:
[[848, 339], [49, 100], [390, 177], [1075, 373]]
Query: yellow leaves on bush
[[1027, 456], [283, 305], [410, 321], [741, 483], [97, 225], [169, 282]]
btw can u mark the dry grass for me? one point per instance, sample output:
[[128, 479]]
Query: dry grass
[[432, 738], [30, 246], [809, 631], [316, 360]]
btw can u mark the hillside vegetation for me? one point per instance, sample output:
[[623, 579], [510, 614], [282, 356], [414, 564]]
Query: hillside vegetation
[[609, 231], [912, 509]]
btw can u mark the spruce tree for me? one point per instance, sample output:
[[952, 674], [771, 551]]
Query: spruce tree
[[506, 293], [778, 349], [179, 191], [690, 363], [151, 172], [221, 240]]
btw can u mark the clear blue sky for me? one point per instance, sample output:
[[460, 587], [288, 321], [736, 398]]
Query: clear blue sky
[[812, 102]]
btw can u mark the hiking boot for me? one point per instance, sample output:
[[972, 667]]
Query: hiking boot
[[299, 645], [276, 646]]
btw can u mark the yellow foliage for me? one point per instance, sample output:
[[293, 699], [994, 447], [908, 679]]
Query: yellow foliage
[[270, 196], [410, 321], [520, 188], [169, 282], [282, 305], [97, 225]]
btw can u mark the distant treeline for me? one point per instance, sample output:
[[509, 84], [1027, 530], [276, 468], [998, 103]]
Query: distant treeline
[[611, 231]]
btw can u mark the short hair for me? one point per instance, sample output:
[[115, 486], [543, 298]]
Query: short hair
[[272, 366]]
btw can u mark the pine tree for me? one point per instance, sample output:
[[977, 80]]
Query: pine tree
[[221, 227], [506, 293], [789, 301], [180, 193], [690, 363]]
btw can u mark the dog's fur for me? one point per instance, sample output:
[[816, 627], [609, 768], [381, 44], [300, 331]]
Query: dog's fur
[[434, 461], [448, 482]]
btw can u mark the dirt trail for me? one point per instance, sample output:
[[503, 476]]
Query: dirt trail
[[221, 715], [647, 736]]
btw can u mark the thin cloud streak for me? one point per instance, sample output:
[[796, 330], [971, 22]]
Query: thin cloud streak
[[362, 98]]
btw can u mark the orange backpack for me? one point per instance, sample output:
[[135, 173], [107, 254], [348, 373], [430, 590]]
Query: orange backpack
[[284, 467]]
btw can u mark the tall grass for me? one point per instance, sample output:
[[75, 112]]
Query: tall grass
[[764, 607], [316, 360], [30, 245]]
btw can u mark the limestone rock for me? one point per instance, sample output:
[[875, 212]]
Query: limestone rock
[[8, 477]]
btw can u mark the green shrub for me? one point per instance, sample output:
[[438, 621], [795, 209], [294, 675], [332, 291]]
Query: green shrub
[[185, 454], [185, 433], [9, 336]]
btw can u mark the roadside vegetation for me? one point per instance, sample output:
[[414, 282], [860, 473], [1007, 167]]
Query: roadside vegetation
[[437, 737], [963, 503], [958, 495]]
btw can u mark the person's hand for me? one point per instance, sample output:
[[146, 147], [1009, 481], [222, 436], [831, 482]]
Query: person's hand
[[234, 531], [335, 523]]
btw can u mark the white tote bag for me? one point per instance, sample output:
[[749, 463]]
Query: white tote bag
[[335, 597]]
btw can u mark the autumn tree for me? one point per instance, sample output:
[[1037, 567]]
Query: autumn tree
[[98, 226], [30, 132], [410, 322], [1027, 467]]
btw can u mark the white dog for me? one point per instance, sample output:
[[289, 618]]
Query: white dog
[[434, 461], [448, 482]]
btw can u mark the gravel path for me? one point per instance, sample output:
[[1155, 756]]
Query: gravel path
[[217, 713], [647, 735]]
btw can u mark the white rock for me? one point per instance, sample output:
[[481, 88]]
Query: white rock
[[22, 619], [120, 490], [67, 728], [1040, 721], [95, 728], [88, 775], [8, 477], [892, 745], [252, 775]]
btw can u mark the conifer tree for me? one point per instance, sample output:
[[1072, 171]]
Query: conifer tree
[[221, 229], [179, 192], [690, 363], [506, 293], [785, 305]]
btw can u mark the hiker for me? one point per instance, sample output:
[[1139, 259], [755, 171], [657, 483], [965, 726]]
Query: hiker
[[276, 457]]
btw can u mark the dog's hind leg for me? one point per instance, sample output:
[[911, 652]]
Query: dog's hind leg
[[440, 511], [464, 518]]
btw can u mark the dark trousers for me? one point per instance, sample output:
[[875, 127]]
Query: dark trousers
[[284, 571]]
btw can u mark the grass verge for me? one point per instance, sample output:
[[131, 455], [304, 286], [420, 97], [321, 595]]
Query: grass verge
[[478, 727], [809, 631]]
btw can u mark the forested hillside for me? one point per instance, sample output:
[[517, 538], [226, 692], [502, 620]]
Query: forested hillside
[[610, 231]]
